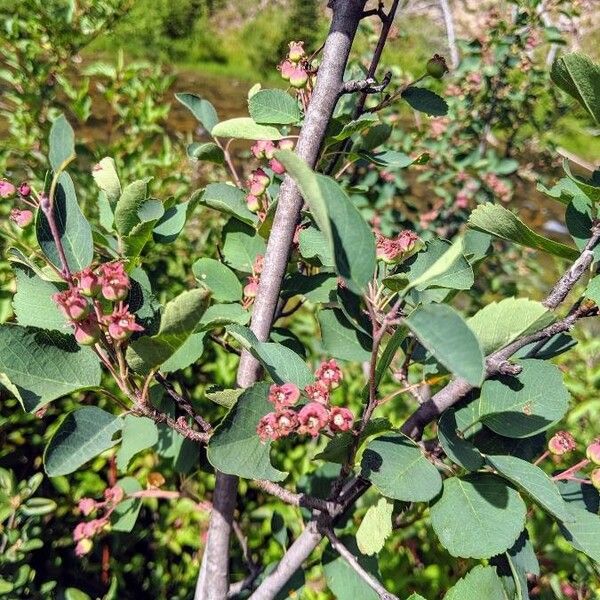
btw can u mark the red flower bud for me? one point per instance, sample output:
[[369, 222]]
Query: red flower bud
[[283, 396], [87, 331], [298, 77], [286, 144], [329, 373], [24, 190], [318, 392], [7, 189], [593, 452], [296, 52], [561, 443], [267, 427], [21, 218], [121, 324], [263, 149], [286, 69], [72, 304], [313, 417], [88, 282], [340, 419], [114, 281], [276, 166]]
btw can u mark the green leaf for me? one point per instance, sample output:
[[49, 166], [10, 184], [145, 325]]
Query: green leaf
[[179, 321], [106, 178], [126, 211], [389, 159], [478, 516], [187, 354], [583, 533], [342, 580], [202, 109], [245, 128], [445, 334], [534, 482], [74, 231], [219, 315], [445, 267], [62, 143], [219, 279], [226, 398], [281, 363], [33, 304], [235, 447], [457, 448], [415, 596], [578, 76], [341, 339], [592, 291], [139, 433], [350, 238], [363, 122], [591, 188], [499, 221], [208, 152], [397, 467], [82, 435], [425, 101], [45, 365], [125, 515], [481, 582], [172, 222], [316, 288], [524, 405], [241, 245], [274, 106], [150, 210], [313, 244], [500, 323], [375, 527], [229, 200]]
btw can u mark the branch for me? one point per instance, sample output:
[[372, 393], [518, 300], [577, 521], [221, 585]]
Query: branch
[[362, 573], [295, 499], [366, 86], [450, 34], [213, 581]]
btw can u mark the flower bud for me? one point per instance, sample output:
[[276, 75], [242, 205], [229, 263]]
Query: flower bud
[[286, 68], [252, 202], [251, 288], [21, 218], [86, 506], [595, 478], [7, 189], [286, 144], [330, 373], [437, 67], [276, 166], [298, 77], [88, 283], [313, 417], [267, 427], [83, 547], [24, 190], [87, 331], [561, 443], [283, 396], [593, 452], [296, 52], [113, 281], [340, 419], [72, 304], [121, 324], [263, 149]]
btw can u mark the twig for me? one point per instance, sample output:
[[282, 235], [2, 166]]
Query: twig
[[295, 499], [353, 562], [366, 86], [450, 34]]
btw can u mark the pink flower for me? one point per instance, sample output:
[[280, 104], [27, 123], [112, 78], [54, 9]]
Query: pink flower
[[78, 532], [87, 331], [593, 452], [561, 443], [72, 304], [391, 250], [22, 218], [313, 417], [286, 68], [276, 166], [7, 189], [83, 547], [88, 282], [263, 149], [340, 419], [330, 373], [114, 494], [296, 52], [286, 144], [286, 422], [121, 324], [113, 280], [252, 202], [267, 427], [86, 506], [251, 288], [283, 396], [318, 392], [24, 190], [298, 77]]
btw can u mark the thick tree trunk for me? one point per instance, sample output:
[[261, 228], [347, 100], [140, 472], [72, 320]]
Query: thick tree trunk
[[213, 581]]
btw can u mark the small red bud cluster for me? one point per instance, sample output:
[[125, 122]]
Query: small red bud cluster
[[294, 67], [251, 287], [19, 216], [394, 250], [498, 187], [313, 416], [85, 531], [81, 304], [561, 443]]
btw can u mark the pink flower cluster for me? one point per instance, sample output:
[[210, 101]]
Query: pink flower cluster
[[81, 306], [259, 181], [20, 217], [251, 287], [498, 187], [85, 531], [313, 416], [294, 67], [393, 250]]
